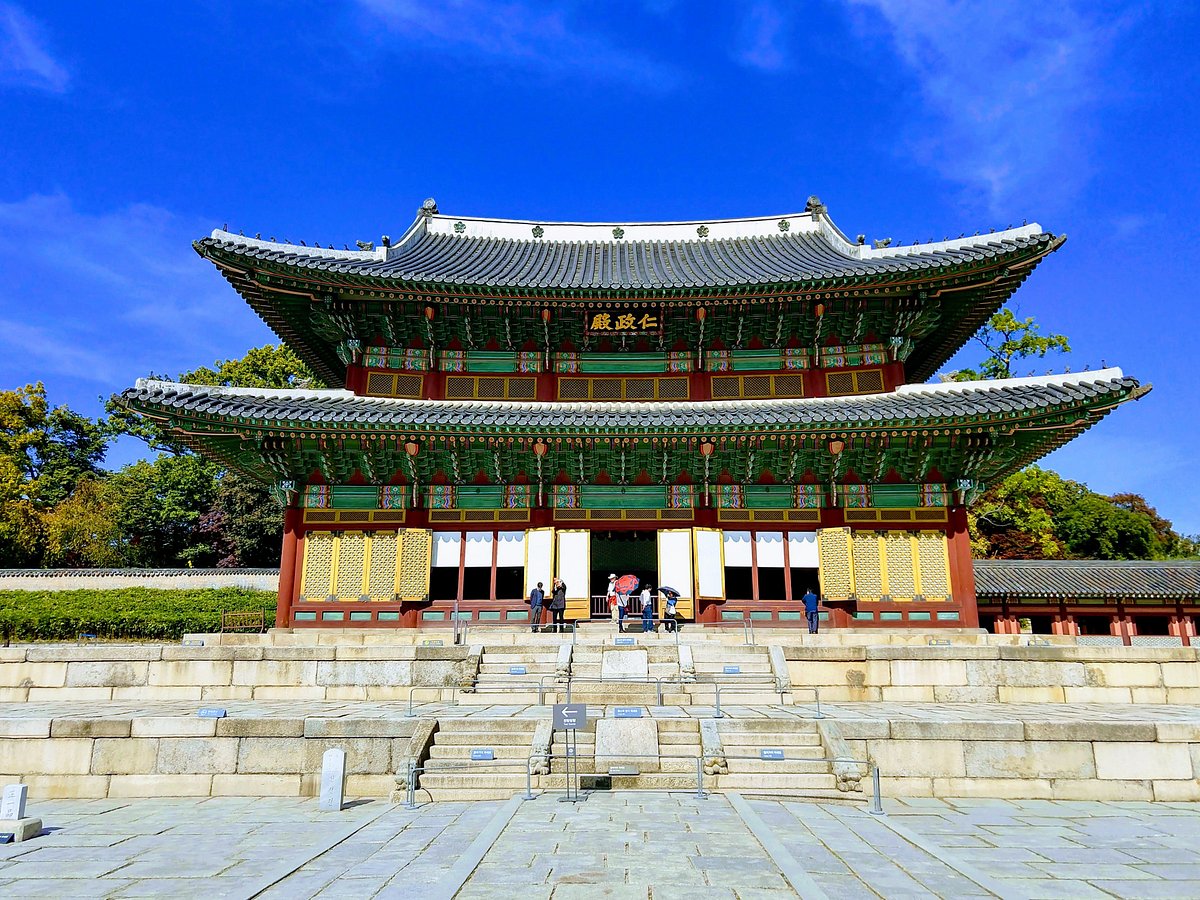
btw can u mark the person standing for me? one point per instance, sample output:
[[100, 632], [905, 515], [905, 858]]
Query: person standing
[[558, 604], [622, 608], [612, 597], [536, 598], [810, 610], [647, 610]]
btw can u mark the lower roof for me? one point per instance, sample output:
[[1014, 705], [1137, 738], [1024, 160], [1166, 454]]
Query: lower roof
[[1015, 579]]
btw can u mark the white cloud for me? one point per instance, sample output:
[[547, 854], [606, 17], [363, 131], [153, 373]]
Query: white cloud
[[540, 35], [102, 298], [24, 60], [1008, 86], [760, 37]]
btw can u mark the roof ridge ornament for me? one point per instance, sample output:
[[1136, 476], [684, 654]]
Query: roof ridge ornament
[[815, 206], [428, 208]]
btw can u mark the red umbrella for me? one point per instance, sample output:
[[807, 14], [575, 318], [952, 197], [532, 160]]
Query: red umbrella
[[626, 584]]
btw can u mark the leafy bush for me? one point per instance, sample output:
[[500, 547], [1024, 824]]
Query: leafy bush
[[126, 613]]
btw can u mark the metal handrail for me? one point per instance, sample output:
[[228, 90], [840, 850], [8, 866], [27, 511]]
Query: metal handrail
[[717, 714]]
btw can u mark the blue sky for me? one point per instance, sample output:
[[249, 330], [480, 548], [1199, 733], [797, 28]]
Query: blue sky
[[127, 130]]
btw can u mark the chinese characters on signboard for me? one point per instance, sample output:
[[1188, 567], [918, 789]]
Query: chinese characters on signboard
[[621, 319]]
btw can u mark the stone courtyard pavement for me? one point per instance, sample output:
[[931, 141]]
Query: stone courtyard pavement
[[625, 845]]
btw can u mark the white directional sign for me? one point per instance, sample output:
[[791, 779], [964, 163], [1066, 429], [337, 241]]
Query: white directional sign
[[570, 716]]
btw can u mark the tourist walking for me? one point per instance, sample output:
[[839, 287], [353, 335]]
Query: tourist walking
[[536, 598], [810, 611], [558, 604], [647, 610]]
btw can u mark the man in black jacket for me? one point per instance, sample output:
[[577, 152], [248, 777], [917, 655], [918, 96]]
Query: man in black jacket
[[536, 597]]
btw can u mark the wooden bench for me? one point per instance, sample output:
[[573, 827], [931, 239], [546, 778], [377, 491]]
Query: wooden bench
[[243, 621]]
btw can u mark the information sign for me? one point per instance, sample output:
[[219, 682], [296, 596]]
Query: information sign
[[570, 716], [516, 670], [625, 642], [627, 712], [483, 753], [733, 670], [770, 753]]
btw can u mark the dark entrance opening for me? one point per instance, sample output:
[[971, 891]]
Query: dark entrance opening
[[622, 553]]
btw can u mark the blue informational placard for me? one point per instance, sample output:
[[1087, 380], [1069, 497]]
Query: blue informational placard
[[627, 712], [211, 712], [7, 837], [516, 670], [431, 643], [770, 753], [486, 753], [625, 641], [733, 670]]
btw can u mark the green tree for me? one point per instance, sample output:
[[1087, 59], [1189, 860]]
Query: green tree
[[1016, 518], [44, 453], [1009, 340], [1095, 528]]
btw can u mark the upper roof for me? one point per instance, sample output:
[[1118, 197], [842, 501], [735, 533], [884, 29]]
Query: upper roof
[[919, 403], [1091, 578], [792, 248]]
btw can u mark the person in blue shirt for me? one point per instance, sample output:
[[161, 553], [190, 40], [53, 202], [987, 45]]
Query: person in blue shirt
[[536, 597], [810, 610]]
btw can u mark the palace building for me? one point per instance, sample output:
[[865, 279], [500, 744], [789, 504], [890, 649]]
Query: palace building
[[734, 408]]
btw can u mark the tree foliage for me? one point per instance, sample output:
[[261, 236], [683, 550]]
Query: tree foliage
[[1038, 514], [1008, 341]]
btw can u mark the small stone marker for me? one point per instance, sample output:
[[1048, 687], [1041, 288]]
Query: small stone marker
[[627, 712], [333, 779], [14, 824], [516, 670], [483, 753], [625, 641], [12, 804], [770, 753], [211, 712], [733, 670]]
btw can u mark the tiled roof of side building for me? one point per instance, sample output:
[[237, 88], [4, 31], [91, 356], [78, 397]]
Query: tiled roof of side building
[[795, 248], [1015, 579], [922, 402]]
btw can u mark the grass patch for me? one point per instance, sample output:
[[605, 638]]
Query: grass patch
[[124, 613]]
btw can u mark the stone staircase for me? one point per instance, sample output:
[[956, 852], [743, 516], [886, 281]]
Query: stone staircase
[[498, 684], [605, 674], [451, 774], [678, 743], [798, 739], [753, 683]]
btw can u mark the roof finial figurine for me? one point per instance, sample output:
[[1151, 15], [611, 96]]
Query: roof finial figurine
[[258, 235], [302, 244], [386, 241], [862, 239], [225, 227], [365, 245], [815, 205], [429, 207]]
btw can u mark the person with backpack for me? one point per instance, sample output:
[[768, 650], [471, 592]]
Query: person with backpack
[[810, 611]]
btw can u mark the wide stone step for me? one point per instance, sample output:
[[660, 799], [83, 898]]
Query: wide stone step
[[507, 782], [782, 739], [463, 751], [766, 728], [482, 739], [674, 738], [503, 698], [649, 781], [775, 767], [787, 782], [450, 724], [531, 668]]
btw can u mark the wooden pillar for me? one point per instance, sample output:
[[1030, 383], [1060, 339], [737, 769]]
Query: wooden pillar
[[462, 563], [754, 566], [962, 569], [293, 522], [787, 570], [495, 548]]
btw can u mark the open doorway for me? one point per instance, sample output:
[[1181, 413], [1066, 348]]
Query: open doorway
[[622, 553]]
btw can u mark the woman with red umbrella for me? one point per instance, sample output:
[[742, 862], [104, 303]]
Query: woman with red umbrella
[[623, 587]]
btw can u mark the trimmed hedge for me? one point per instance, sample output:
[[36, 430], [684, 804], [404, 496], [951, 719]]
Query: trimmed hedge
[[127, 613]]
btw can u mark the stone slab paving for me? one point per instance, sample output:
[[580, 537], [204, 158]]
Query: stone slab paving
[[636, 845]]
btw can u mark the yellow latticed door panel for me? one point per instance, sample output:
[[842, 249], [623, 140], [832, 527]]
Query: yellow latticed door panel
[[381, 575], [416, 553], [901, 577], [316, 576], [933, 565], [351, 564], [837, 563], [868, 569]]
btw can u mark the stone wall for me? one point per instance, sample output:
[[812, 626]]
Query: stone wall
[[1004, 674], [176, 756], [156, 672], [162, 579]]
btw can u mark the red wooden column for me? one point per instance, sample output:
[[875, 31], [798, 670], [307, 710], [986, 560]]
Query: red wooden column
[[293, 523], [962, 570]]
